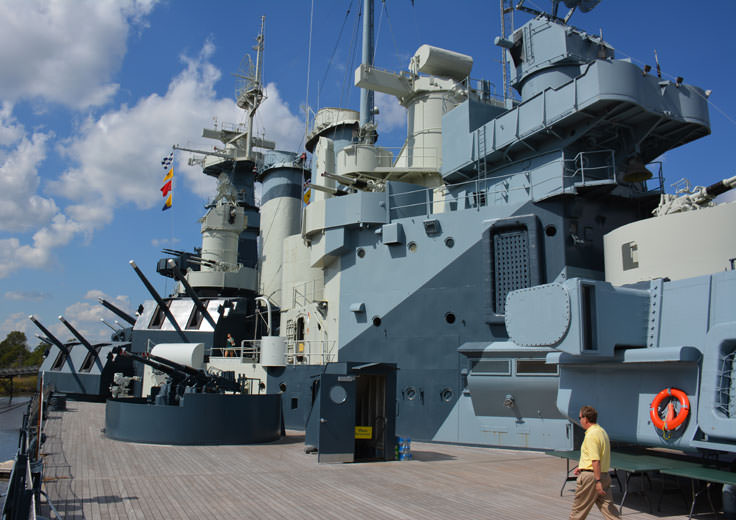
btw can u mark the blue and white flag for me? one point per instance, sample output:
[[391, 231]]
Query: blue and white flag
[[167, 160]]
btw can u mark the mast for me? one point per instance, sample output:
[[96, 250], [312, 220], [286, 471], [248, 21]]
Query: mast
[[366, 95], [251, 95], [504, 59]]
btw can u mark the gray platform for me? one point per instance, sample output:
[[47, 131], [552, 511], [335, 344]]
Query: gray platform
[[91, 476]]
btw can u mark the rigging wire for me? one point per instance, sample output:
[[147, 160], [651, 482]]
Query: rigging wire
[[390, 29], [334, 51], [378, 34], [347, 84], [309, 67]]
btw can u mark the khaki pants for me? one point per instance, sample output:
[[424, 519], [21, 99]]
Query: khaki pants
[[586, 495]]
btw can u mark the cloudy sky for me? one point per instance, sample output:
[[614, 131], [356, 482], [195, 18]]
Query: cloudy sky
[[93, 93]]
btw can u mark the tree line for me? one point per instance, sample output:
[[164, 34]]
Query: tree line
[[15, 353]]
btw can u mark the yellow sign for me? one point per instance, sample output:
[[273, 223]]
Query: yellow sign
[[364, 432]]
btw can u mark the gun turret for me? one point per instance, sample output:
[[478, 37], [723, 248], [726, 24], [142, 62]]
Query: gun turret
[[182, 376]]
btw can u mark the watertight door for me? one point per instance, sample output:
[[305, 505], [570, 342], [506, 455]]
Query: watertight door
[[337, 418]]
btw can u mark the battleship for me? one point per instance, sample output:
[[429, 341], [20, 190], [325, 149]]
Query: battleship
[[517, 258]]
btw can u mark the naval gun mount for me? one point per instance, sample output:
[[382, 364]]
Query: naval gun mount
[[191, 406]]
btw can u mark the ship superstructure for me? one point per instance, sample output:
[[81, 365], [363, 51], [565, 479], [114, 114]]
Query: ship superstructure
[[480, 284], [473, 260]]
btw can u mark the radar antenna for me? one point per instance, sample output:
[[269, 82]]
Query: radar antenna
[[572, 5], [250, 91]]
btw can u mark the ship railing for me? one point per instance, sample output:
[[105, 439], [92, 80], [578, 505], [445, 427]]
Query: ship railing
[[231, 127], [249, 351], [484, 90], [586, 168], [306, 293], [298, 352], [441, 199], [592, 166], [310, 352], [404, 157]]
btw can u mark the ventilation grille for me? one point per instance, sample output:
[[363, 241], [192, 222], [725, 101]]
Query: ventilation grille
[[511, 260]]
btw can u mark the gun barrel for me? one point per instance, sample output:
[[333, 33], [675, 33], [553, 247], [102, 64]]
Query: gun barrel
[[162, 305], [192, 294], [78, 335], [48, 334], [124, 315], [719, 187], [348, 181], [165, 368]]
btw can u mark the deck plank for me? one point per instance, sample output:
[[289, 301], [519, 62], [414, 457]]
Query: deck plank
[[90, 476]]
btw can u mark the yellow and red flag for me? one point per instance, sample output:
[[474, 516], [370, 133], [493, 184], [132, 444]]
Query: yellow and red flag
[[166, 190]]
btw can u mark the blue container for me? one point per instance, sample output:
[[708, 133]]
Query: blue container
[[404, 448]]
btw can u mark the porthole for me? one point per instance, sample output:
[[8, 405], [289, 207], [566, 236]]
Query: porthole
[[282, 387], [411, 393], [450, 318], [550, 231], [376, 321], [338, 394], [446, 394], [412, 246], [361, 252], [449, 241]]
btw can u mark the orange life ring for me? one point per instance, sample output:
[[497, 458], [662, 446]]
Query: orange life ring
[[671, 421]]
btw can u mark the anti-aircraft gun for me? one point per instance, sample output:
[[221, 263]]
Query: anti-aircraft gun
[[687, 199], [182, 379]]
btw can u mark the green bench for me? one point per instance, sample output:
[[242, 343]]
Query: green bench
[[638, 464], [631, 465], [704, 474]]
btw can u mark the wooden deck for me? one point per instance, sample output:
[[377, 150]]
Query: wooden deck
[[90, 476]]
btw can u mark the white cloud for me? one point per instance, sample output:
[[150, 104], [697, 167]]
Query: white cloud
[[164, 242], [93, 294], [86, 316], [391, 116], [65, 52], [117, 155], [39, 254], [21, 208], [20, 322], [275, 121], [115, 160], [10, 130], [26, 295]]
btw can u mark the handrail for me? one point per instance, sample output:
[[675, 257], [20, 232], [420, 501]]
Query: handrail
[[575, 168], [314, 352]]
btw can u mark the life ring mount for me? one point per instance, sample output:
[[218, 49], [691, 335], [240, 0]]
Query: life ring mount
[[671, 421]]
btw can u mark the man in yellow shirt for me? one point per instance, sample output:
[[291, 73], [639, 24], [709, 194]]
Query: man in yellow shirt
[[592, 471]]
